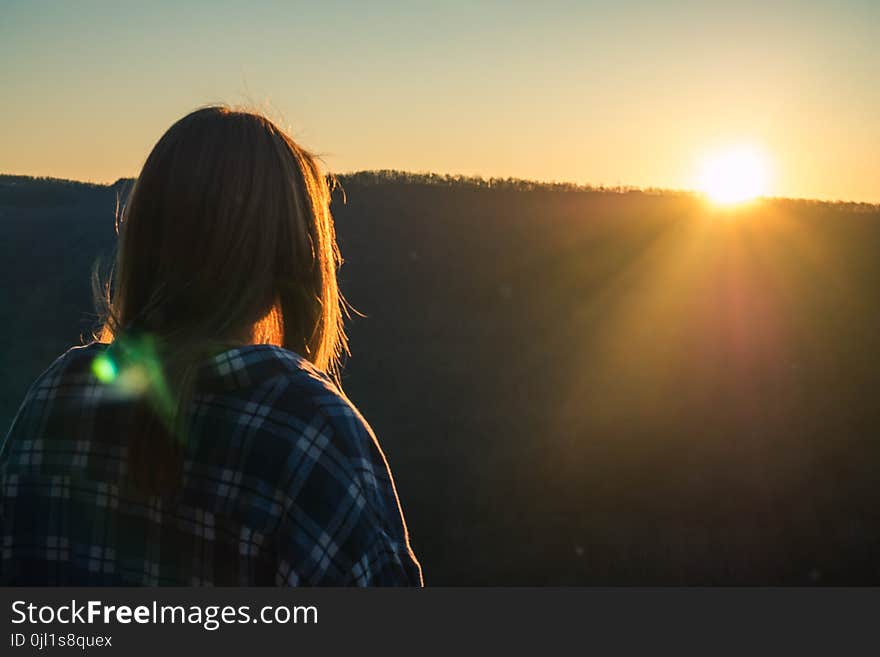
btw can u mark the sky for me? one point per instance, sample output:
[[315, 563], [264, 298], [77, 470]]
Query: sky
[[630, 93]]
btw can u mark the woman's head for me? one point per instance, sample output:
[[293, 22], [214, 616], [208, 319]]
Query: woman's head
[[227, 237]]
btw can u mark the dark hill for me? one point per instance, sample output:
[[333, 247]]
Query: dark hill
[[573, 386]]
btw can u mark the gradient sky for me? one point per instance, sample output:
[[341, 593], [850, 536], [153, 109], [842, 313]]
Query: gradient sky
[[598, 92]]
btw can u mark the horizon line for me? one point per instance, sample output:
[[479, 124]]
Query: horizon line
[[475, 179]]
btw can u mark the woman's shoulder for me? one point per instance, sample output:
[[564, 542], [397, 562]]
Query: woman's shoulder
[[251, 366], [299, 405], [73, 362], [295, 382], [67, 375]]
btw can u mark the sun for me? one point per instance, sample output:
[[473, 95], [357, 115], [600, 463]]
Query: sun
[[735, 175]]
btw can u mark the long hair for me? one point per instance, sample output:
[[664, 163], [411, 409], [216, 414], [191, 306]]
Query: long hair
[[226, 238]]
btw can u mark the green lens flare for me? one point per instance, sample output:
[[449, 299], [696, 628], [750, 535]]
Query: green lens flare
[[134, 369], [104, 369]]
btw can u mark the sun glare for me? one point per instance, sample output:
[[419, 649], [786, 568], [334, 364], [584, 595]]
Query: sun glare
[[735, 175]]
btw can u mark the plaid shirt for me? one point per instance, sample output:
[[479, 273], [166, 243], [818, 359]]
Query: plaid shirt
[[283, 483]]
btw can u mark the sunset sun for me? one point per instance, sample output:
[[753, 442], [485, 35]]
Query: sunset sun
[[734, 175]]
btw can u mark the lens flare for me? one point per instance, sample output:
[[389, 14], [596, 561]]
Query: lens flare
[[104, 369], [131, 369]]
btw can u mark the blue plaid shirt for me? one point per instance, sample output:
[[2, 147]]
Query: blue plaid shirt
[[284, 483]]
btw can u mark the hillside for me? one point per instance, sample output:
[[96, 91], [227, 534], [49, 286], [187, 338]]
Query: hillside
[[572, 385]]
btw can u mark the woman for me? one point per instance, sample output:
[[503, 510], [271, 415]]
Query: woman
[[203, 440]]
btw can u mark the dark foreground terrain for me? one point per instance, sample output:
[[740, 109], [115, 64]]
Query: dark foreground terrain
[[573, 387]]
